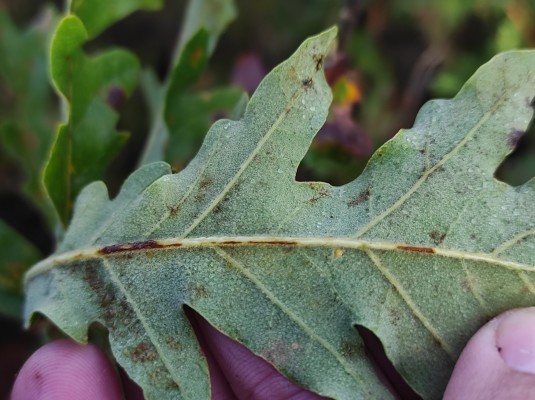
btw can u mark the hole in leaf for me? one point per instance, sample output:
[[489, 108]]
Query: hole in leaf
[[519, 166], [383, 366], [217, 379], [226, 360]]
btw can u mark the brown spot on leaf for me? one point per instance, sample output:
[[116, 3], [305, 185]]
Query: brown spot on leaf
[[108, 298], [394, 314], [173, 343], [318, 60], [205, 182], [417, 249], [351, 350], [437, 237], [92, 278], [361, 198], [230, 243], [201, 291], [203, 186], [307, 83], [142, 353], [320, 193], [147, 244], [118, 248], [174, 210]]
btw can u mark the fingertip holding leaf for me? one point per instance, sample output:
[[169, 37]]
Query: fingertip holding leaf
[[421, 249]]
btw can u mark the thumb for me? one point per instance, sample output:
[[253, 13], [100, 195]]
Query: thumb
[[499, 361], [65, 370]]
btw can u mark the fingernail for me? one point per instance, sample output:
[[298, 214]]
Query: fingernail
[[515, 339]]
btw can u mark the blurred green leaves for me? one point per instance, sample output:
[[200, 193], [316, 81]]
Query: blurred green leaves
[[27, 112], [93, 88], [97, 15], [182, 115], [87, 142], [16, 257]]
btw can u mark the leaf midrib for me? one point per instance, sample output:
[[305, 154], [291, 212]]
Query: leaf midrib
[[274, 241]]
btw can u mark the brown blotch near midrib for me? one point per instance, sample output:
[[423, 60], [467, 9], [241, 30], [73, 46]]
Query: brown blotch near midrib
[[119, 248], [417, 249]]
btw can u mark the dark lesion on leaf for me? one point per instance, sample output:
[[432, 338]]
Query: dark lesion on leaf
[[203, 187], [174, 210], [351, 350], [360, 198], [318, 61], [142, 353], [173, 343], [147, 244], [92, 278], [307, 83], [437, 237], [135, 246], [319, 192], [201, 292], [205, 182], [416, 249]]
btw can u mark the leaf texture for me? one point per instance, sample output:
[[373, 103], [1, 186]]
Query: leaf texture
[[422, 248]]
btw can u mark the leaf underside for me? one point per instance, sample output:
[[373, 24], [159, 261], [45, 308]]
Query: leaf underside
[[422, 248]]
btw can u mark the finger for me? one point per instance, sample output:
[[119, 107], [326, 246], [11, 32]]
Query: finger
[[499, 361], [249, 376], [64, 370], [220, 388]]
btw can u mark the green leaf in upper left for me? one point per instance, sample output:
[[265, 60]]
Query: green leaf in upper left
[[97, 15], [27, 109], [93, 88], [86, 143]]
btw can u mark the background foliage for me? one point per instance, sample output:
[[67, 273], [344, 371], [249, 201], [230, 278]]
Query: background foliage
[[392, 57]]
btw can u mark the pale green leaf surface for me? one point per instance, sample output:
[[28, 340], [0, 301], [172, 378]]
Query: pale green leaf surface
[[87, 142], [193, 115], [421, 249]]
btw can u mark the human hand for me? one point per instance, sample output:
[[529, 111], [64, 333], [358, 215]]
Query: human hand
[[64, 370], [498, 362]]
